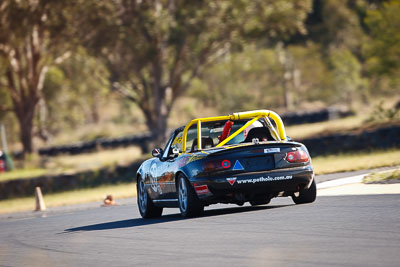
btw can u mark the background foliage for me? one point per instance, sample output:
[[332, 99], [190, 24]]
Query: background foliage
[[124, 65]]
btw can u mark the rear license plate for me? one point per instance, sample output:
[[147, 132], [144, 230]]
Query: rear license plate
[[259, 163]]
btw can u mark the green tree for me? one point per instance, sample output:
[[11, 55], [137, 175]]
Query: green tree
[[337, 24], [346, 74], [256, 77], [74, 93], [313, 77], [342, 25], [33, 36], [383, 49], [155, 49]]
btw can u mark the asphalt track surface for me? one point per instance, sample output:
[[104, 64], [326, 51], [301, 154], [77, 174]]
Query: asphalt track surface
[[333, 231]]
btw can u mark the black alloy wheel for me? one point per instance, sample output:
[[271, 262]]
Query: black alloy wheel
[[189, 203]]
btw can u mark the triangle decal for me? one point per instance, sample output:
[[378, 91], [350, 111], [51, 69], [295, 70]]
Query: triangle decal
[[237, 166], [231, 180]]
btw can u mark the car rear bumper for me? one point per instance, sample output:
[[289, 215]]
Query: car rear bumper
[[255, 183]]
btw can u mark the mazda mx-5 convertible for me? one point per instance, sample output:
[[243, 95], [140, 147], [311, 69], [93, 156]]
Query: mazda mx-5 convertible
[[243, 157]]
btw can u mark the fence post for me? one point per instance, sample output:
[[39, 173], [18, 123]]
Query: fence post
[[9, 162]]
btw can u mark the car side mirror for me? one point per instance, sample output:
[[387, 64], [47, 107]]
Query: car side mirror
[[157, 152]]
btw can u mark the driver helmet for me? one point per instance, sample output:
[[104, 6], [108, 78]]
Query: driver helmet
[[242, 136], [251, 126]]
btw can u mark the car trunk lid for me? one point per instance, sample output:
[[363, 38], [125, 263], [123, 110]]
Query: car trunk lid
[[250, 157]]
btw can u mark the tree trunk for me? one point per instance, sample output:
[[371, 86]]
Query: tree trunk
[[157, 124], [26, 133], [25, 112], [159, 108], [287, 95], [25, 91]]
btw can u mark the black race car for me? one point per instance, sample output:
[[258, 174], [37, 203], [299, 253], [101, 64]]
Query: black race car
[[243, 157]]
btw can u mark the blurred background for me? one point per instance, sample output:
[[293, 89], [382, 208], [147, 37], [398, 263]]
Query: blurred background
[[86, 70]]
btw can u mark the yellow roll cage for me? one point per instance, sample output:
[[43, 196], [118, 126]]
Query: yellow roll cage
[[253, 115]]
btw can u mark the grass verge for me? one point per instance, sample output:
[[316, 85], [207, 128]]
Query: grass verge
[[70, 197], [383, 177], [356, 161]]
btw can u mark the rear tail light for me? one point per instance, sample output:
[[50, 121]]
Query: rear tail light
[[297, 156], [217, 165]]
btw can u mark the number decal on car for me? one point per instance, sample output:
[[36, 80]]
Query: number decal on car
[[153, 179]]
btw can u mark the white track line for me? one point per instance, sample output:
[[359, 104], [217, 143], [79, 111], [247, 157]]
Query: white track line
[[342, 181]]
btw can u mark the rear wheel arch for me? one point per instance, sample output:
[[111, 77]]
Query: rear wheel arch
[[178, 173]]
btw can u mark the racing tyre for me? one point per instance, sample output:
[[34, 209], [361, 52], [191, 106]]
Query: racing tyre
[[189, 203], [146, 207], [306, 195]]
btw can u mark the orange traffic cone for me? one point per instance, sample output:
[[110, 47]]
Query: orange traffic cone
[[109, 201]]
